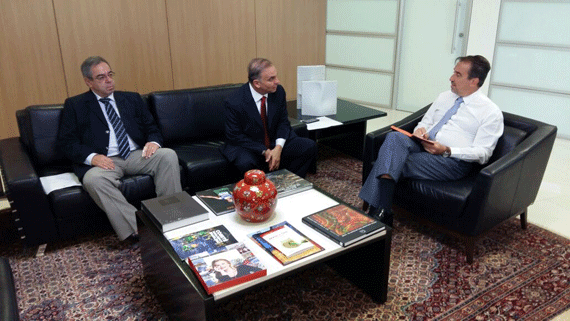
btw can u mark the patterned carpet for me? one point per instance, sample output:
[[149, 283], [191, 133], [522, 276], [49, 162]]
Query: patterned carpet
[[516, 275]]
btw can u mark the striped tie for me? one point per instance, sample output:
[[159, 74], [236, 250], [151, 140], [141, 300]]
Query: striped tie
[[119, 128], [445, 118]]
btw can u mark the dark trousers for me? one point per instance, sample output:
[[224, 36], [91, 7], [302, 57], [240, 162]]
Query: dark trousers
[[297, 156]]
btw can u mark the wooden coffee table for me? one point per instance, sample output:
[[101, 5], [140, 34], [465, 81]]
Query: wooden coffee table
[[365, 263]]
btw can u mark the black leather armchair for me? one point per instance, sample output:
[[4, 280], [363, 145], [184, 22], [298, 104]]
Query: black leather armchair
[[8, 301], [491, 194]]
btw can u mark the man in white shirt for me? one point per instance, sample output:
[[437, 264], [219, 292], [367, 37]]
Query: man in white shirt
[[464, 126]]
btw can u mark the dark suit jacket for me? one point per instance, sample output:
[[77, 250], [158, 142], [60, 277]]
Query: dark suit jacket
[[84, 130], [243, 122]]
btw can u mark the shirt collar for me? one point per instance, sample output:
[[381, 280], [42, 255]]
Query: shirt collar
[[111, 96], [256, 96], [470, 98]]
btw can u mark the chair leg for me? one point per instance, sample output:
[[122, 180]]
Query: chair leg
[[524, 220], [470, 249]]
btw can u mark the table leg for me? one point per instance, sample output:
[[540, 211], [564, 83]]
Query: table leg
[[368, 268]]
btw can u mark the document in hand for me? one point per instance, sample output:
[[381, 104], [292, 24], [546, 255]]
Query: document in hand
[[412, 136]]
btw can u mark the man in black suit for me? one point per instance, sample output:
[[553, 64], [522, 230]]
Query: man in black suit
[[258, 132], [108, 134]]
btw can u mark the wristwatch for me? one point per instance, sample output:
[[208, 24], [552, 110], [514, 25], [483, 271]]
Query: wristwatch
[[446, 153]]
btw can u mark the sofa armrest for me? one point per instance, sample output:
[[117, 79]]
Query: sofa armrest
[[8, 301], [375, 139], [32, 214]]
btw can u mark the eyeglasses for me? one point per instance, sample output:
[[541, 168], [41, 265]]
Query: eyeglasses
[[103, 77]]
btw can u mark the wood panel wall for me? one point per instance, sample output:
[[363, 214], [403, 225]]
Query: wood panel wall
[[150, 44]]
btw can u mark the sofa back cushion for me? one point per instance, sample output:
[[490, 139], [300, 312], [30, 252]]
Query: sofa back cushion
[[38, 127], [189, 115], [511, 138]]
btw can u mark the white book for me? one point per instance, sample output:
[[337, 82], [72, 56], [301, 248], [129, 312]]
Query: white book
[[287, 241]]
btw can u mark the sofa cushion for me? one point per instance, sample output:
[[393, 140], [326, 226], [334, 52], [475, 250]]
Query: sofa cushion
[[190, 115], [446, 197], [507, 142], [204, 165], [38, 129]]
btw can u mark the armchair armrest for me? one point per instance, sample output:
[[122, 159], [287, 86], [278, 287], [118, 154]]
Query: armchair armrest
[[375, 139], [509, 185], [30, 206]]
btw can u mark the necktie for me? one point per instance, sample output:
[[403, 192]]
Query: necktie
[[119, 128], [445, 118], [264, 121]]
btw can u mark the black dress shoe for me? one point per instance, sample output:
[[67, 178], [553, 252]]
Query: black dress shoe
[[383, 215]]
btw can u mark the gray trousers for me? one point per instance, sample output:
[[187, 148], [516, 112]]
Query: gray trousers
[[103, 185], [400, 156]]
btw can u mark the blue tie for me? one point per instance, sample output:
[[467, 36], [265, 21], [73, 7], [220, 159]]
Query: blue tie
[[119, 128], [445, 118]]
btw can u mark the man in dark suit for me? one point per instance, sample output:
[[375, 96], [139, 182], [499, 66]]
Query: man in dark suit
[[258, 132], [108, 134]]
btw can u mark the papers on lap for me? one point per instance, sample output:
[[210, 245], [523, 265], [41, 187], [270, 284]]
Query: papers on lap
[[412, 136]]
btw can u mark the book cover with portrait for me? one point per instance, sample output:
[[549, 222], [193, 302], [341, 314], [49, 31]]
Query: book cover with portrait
[[225, 269]]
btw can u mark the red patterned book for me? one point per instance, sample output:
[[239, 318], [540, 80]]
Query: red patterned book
[[343, 225]]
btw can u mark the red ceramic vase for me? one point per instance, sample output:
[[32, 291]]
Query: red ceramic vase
[[255, 197]]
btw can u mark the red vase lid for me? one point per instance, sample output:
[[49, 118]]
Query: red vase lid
[[254, 177]]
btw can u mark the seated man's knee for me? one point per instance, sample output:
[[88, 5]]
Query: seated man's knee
[[246, 163], [93, 179], [167, 154]]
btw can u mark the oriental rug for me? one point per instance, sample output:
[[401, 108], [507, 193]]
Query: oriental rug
[[517, 275]]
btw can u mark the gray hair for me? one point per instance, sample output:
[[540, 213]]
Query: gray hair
[[90, 62], [255, 67]]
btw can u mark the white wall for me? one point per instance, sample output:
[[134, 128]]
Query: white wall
[[483, 31]]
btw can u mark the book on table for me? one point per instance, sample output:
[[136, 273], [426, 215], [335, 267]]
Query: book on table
[[343, 224], [221, 270], [211, 240], [412, 136], [264, 239], [288, 183], [220, 200], [174, 211]]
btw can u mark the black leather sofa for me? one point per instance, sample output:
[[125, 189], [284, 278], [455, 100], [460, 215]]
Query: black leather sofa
[[8, 301], [192, 123], [491, 194]]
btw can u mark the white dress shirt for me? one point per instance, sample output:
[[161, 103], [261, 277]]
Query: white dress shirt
[[257, 98], [471, 133]]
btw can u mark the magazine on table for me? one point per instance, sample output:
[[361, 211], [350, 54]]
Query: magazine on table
[[210, 240], [258, 237], [343, 224], [288, 183], [221, 270], [219, 200]]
